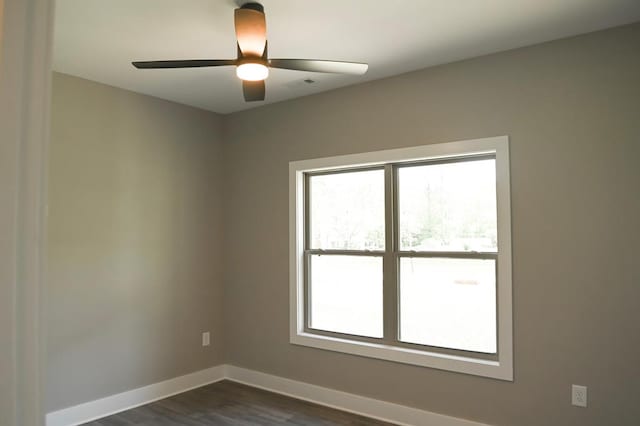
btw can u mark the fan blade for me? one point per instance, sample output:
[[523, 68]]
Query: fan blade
[[253, 90], [189, 63], [316, 65], [251, 30]]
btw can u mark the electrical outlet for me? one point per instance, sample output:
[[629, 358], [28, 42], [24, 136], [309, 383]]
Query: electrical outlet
[[206, 339], [579, 395]]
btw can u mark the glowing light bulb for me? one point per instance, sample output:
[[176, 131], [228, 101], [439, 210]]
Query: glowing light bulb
[[252, 71]]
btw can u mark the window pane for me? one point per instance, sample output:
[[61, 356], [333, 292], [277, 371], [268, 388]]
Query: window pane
[[449, 303], [347, 210], [448, 207], [346, 294]]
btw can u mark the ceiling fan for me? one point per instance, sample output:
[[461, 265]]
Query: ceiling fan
[[252, 64]]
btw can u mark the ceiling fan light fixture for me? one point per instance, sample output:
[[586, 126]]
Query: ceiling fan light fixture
[[253, 63], [252, 71]]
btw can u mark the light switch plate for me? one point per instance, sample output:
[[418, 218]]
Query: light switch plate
[[206, 339]]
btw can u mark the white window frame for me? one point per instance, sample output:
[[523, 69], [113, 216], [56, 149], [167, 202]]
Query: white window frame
[[500, 368]]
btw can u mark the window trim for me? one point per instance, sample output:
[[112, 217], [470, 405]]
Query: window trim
[[502, 368]]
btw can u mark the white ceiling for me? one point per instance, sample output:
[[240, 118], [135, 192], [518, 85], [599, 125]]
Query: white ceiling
[[98, 39]]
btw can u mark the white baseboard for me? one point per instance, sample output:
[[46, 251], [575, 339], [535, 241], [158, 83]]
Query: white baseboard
[[92, 410], [386, 411], [369, 407]]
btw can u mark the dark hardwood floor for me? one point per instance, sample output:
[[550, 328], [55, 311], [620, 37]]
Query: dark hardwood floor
[[233, 404]]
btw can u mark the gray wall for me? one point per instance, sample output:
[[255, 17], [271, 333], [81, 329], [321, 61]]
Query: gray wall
[[134, 241], [141, 189], [9, 202], [24, 80], [571, 109]]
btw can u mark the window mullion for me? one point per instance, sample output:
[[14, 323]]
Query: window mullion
[[390, 275]]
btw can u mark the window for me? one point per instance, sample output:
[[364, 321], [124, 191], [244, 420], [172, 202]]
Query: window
[[405, 255]]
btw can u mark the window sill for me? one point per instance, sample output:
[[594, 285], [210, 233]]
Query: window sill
[[478, 367]]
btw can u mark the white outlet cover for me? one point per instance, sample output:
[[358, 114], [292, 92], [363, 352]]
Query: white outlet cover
[[206, 339], [579, 395]]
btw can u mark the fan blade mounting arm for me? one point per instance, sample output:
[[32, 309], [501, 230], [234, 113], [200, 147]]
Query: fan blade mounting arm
[[189, 63], [317, 65], [251, 29]]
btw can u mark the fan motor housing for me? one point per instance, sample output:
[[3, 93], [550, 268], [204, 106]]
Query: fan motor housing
[[253, 6], [252, 60]]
